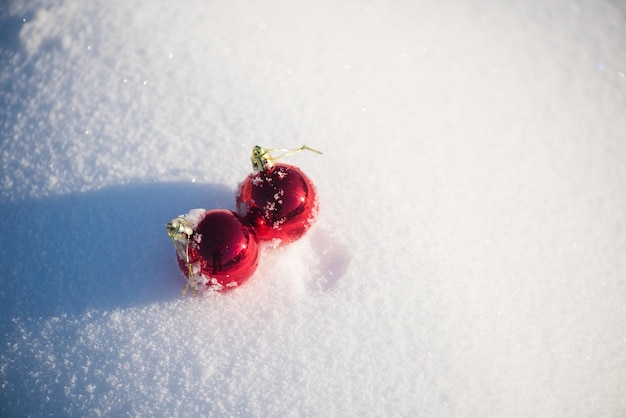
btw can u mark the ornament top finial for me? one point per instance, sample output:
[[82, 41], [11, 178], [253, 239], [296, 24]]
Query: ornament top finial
[[180, 231], [263, 161]]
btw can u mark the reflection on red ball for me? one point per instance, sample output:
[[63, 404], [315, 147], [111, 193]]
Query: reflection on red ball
[[280, 203]]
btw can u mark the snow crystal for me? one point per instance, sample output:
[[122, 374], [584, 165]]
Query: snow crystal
[[258, 180], [195, 216]]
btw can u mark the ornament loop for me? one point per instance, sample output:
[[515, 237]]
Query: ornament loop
[[262, 160]]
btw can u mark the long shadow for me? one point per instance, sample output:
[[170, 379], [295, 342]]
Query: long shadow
[[98, 250]]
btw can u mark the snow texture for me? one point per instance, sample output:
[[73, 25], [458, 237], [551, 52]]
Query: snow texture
[[469, 258]]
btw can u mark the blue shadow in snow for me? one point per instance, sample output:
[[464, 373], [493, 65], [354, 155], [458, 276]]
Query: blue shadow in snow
[[98, 250]]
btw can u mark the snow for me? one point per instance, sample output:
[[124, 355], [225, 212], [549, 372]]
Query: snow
[[468, 258]]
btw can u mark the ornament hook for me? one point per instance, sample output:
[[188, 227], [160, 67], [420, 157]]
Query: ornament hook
[[262, 160]]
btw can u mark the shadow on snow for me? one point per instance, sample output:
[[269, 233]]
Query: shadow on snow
[[98, 250]]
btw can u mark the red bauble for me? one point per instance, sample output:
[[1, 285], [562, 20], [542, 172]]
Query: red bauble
[[215, 248], [280, 203]]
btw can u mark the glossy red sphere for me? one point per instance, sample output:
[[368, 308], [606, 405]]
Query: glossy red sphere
[[280, 203], [222, 250]]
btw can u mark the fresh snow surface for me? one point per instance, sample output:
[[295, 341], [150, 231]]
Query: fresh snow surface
[[469, 258]]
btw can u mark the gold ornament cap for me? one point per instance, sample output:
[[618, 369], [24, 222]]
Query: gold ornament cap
[[262, 159]]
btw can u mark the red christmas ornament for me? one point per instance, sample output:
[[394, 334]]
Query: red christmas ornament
[[214, 249], [279, 201]]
